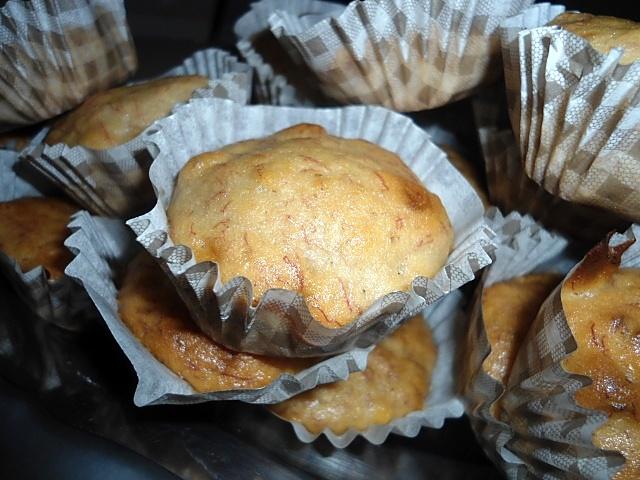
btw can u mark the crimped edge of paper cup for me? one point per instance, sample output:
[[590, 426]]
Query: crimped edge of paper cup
[[447, 322], [386, 42], [103, 246], [49, 56], [472, 237], [114, 181]]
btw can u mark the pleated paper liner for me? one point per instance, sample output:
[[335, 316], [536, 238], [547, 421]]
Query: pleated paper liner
[[103, 248], [551, 434], [61, 302], [56, 53], [512, 190], [524, 246], [114, 181], [224, 312], [575, 113], [279, 80], [447, 322], [402, 54]]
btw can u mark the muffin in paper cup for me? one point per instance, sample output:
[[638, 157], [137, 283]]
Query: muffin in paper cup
[[524, 247], [553, 431], [281, 78], [60, 301], [512, 190], [402, 54], [574, 111], [103, 248], [281, 324], [56, 53], [114, 181], [447, 323]]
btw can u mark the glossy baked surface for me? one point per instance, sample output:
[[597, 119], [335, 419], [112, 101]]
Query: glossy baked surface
[[113, 117], [395, 382], [155, 314], [33, 231], [343, 222]]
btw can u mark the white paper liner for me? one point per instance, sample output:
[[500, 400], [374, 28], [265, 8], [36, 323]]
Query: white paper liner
[[103, 248], [281, 324], [510, 189], [61, 301], [447, 323], [550, 432], [114, 181], [54, 53], [575, 113], [279, 80], [403, 54], [524, 246]]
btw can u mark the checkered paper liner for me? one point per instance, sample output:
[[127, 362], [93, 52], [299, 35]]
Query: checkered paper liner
[[551, 433], [281, 324], [524, 246], [511, 190], [103, 247], [114, 181], [575, 113], [60, 302], [279, 80], [54, 53], [447, 323], [404, 54]]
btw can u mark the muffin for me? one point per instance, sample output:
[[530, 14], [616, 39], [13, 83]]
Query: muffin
[[469, 171], [508, 310], [114, 117], [396, 382], [154, 313], [33, 231], [604, 33], [601, 302], [340, 221]]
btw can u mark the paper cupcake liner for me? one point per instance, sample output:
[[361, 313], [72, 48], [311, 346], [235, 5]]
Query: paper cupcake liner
[[447, 322], [114, 182], [551, 433], [281, 324], [279, 80], [60, 302], [575, 113], [103, 248], [56, 53], [402, 54], [511, 190], [523, 247]]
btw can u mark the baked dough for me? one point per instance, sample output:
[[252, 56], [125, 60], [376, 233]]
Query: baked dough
[[154, 313], [341, 221], [395, 383], [33, 231], [604, 33], [113, 117], [508, 310], [601, 302]]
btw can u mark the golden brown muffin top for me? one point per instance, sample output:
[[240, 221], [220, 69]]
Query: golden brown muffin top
[[33, 231], [340, 221], [113, 117], [601, 302], [508, 310], [604, 33], [154, 313], [468, 171], [395, 383]]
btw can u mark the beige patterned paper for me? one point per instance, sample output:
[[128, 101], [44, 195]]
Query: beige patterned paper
[[407, 55], [54, 53], [575, 112], [223, 311], [114, 182]]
